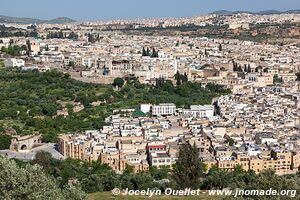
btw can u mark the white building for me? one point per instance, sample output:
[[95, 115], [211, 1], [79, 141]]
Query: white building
[[13, 62], [163, 109], [160, 159], [145, 108], [199, 111], [239, 25]]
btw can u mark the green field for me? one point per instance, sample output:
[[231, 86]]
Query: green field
[[108, 195]]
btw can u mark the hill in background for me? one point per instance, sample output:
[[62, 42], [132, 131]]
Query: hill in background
[[23, 20], [264, 12]]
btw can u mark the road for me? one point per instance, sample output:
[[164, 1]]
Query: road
[[30, 154]]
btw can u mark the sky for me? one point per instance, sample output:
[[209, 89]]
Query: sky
[[92, 10]]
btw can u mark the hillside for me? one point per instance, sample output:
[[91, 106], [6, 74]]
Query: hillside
[[39, 97], [24, 20], [264, 12]]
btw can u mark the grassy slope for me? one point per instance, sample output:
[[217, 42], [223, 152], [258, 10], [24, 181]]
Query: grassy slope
[[108, 195]]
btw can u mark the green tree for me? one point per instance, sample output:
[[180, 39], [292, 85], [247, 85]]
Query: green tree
[[276, 79], [239, 178], [31, 182], [70, 109], [49, 109], [216, 179], [178, 78], [43, 159], [191, 45], [258, 69], [249, 68], [129, 169], [12, 50], [268, 179], [230, 141], [168, 86], [189, 169], [148, 52], [159, 174], [2, 64], [28, 43], [92, 183], [4, 141], [144, 53], [184, 78], [240, 68], [118, 82], [71, 64], [154, 53], [235, 67], [2, 129], [245, 68], [298, 76]]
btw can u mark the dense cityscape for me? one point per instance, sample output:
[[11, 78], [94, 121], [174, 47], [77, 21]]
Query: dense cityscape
[[205, 102]]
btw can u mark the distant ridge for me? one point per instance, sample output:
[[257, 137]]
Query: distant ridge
[[24, 20], [264, 12], [66, 20], [61, 20]]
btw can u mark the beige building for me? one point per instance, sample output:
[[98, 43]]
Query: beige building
[[287, 77], [281, 162], [88, 149], [78, 148], [24, 143], [119, 162]]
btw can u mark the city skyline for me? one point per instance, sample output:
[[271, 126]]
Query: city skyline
[[93, 10], [129, 99]]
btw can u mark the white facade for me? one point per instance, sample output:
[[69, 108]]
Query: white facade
[[163, 109], [13, 62], [145, 108], [160, 159], [267, 140], [206, 111], [239, 25]]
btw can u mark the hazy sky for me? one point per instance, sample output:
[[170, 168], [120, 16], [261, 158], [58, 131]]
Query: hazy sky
[[127, 9]]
